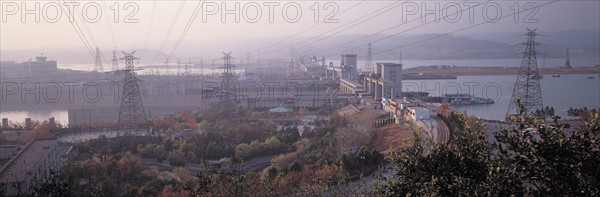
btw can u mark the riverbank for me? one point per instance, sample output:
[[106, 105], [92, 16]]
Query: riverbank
[[469, 70]]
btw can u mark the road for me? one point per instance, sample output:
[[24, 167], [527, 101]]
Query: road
[[255, 164]]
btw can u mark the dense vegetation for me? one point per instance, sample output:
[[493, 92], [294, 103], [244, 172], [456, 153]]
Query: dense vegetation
[[529, 158], [581, 112]]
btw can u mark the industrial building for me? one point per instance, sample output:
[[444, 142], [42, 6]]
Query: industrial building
[[40, 68], [11, 69], [349, 66], [34, 163], [385, 82]]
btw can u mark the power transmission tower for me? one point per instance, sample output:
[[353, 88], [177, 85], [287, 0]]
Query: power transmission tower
[[248, 59], [400, 58], [527, 86], [187, 67], [258, 59], [568, 61], [369, 62], [132, 117], [228, 79], [98, 63], [178, 66], [269, 64], [115, 61], [291, 68], [167, 66]]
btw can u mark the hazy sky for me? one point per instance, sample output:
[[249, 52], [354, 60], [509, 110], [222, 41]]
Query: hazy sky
[[363, 17]]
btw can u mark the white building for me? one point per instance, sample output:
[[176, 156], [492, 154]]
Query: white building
[[418, 113], [32, 164], [40, 68]]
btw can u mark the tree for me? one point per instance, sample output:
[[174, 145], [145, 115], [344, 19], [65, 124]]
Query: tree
[[443, 108], [129, 165], [302, 111], [55, 185], [39, 131], [529, 158], [272, 144], [551, 160], [182, 173], [168, 191], [190, 119], [242, 151], [460, 168]]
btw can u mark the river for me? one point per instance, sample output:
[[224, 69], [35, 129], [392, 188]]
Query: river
[[568, 90]]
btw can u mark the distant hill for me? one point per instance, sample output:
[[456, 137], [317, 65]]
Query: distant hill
[[423, 46], [581, 43]]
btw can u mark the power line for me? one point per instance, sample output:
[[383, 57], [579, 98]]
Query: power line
[[78, 31], [346, 26], [149, 29], [170, 30], [112, 35], [305, 30], [89, 33], [351, 25], [462, 29], [573, 37], [392, 35], [187, 27]]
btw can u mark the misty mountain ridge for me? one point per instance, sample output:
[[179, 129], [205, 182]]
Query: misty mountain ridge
[[413, 46]]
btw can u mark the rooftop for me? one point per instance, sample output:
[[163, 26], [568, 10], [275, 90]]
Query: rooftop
[[280, 110], [390, 64], [352, 82], [26, 161], [310, 65], [7, 150], [417, 108]]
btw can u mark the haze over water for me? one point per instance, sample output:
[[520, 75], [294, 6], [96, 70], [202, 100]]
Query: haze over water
[[568, 90], [559, 92]]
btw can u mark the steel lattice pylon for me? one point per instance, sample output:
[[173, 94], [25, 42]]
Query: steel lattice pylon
[[568, 60], [228, 79], [369, 61], [98, 62], [115, 62], [132, 118], [527, 86]]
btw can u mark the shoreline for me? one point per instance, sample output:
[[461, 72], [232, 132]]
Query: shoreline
[[468, 70]]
